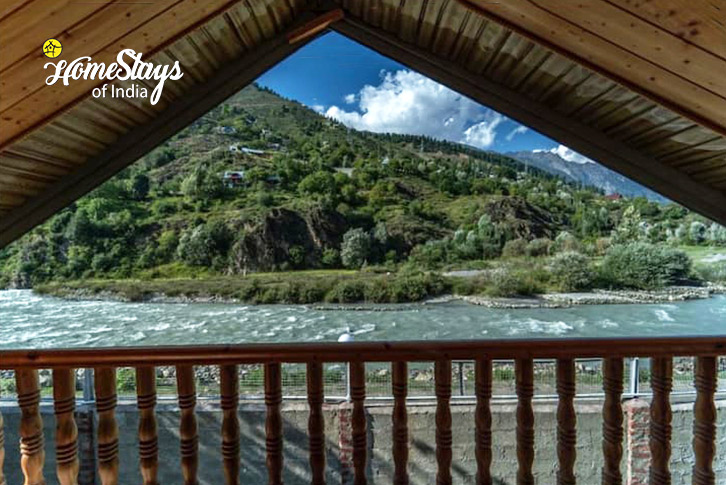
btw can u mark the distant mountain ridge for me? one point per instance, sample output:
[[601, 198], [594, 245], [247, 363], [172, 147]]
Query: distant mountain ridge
[[592, 174]]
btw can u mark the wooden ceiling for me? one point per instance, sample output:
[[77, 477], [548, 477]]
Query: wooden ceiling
[[636, 84]]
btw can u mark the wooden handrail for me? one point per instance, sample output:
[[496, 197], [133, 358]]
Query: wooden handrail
[[412, 351]]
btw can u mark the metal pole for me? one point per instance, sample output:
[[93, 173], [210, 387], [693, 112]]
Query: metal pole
[[88, 385], [634, 377], [347, 337], [461, 378]]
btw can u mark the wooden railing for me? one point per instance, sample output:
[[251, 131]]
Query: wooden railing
[[105, 361]]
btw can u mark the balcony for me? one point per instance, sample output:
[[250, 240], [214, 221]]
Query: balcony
[[310, 443]]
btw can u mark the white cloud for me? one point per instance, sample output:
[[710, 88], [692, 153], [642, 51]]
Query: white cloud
[[349, 99], [483, 133], [520, 130], [319, 108], [409, 103], [566, 154]]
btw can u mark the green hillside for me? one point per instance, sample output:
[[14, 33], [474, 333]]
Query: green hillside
[[302, 192]]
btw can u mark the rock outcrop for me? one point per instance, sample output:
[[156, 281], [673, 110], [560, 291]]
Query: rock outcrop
[[286, 238]]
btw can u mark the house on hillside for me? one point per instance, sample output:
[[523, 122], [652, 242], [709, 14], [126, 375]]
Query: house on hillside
[[614, 196], [233, 178], [226, 130]]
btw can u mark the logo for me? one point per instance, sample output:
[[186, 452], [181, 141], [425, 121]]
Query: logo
[[52, 48], [129, 66]]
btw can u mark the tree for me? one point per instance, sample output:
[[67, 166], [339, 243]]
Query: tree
[[320, 183], [139, 186], [697, 232], [355, 249]]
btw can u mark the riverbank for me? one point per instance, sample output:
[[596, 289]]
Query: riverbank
[[351, 291]]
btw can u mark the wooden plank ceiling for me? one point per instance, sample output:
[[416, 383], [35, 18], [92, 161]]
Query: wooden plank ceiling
[[634, 84]]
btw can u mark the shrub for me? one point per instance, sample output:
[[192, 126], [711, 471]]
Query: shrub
[[565, 242], [514, 248], [331, 258], [416, 287], [346, 292], [713, 272], [538, 247], [645, 266], [162, 208], [507, 282], [572, 271], [125, 381]]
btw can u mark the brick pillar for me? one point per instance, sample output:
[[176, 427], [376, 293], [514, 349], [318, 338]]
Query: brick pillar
[[638, 449], [345, 443], [86, 446]]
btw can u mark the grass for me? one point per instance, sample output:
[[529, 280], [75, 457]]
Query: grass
[[698, 253]]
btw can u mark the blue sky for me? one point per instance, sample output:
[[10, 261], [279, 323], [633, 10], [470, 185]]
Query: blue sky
[[359, 87]]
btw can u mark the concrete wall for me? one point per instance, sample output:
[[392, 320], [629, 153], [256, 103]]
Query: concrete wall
[[380, 468]]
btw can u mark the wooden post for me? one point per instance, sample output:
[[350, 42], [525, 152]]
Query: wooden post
[[524, 374], [229, 387], [66, 431], [273, 423], [188, 438], [566, 422], [358, 421], [399, 417], [105, 385], [148, 439], [704, 425], [316, 424], [442, 377], [661, 382], [483, 421], [612, 429], [31, 426]]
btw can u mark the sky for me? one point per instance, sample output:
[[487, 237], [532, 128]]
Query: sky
[[365, 90]]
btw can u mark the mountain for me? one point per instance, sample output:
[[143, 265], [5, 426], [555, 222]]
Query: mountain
[[262, 183], [592, 174]]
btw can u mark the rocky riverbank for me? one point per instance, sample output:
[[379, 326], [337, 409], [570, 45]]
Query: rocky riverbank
[[550, 300], [596, 297]]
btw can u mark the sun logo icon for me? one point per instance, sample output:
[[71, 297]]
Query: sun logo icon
[[52, 48]]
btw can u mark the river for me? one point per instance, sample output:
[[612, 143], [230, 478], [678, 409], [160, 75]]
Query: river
[[28, 320]]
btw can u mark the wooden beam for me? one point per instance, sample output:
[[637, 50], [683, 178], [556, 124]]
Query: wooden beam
[[541, 117], [636, 67], [315, 26], [139, 141], [411, 351]]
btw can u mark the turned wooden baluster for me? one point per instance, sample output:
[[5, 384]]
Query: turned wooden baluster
[[661, 381], [188, 438], [358, 421], [148, 440], [524, 375], [316, 424], [273, 423], [31, 426], [66, 431], [229, 386], [483, 421], [399, 417], [442, 377], [105, 385], [2, 450], [704, 425], [566, 422], [612, 429]]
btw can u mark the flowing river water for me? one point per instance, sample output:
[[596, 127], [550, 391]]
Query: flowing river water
[[28, 320]]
